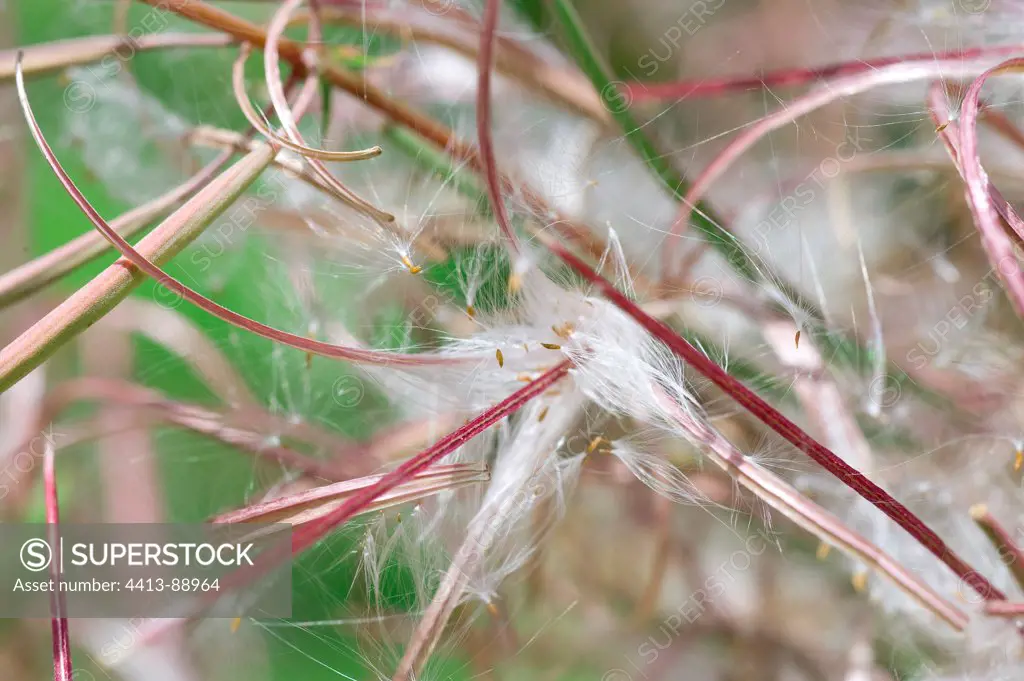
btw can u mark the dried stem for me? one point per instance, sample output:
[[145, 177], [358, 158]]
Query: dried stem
[[35, 275], [49, 57], [425, 127], [197, 214], [562, 86], [101, 294], [271, 62], [816, 520], [305, 507], [829, 92], [983, 198], [1009, 553]]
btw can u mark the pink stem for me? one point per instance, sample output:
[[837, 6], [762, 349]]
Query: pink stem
[[306, 536], [710, 87], [62, 668], [831, 91], [241, 321], [984, 199], [1004, 609]]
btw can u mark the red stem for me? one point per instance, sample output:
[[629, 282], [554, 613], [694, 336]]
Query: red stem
[[485, 61], [306, 536], [771, 417]]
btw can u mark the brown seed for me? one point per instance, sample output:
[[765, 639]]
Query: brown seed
[[797, 339], [470, 310], [551, 346], [1018, 460], [543, 414]]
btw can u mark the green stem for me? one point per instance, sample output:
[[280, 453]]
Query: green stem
[[94, 300]]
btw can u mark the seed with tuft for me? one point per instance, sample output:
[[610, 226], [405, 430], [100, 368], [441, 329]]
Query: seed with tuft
[[860, 581], [515, 282], [563, 331], [413, 269]]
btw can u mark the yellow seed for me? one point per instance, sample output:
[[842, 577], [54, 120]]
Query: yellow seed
[[942, 127], [594, 444], [551, 346], [235, 623], [500, 357], [1018, 460], [823, 551], [493, 609], [309, 360], [797, 339], [523, 378], [413, 269], [470, 310], [515, 282], [563, 331], [860, 581], [543, 414]]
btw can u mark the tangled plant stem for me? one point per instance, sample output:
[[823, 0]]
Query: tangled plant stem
[[318, 512]]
